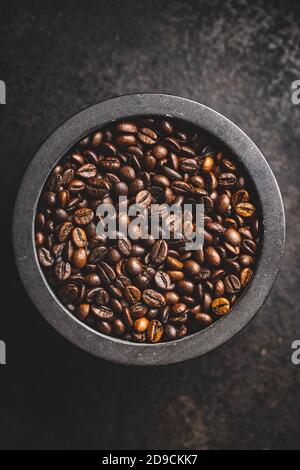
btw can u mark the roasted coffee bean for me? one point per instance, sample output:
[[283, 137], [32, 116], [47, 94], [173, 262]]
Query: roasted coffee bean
[[79, 258], [203, 320], [153, 298], [232, 284], [155, 331], [124, 246], [159, 252], [163, 280], [233, 236], [141, 324], [245, 276], [62, 270], [83, 216], [212, 257], [64, 231], [79, 237], [138, 310], [132, 294], [160, 151], [192, 268], [45, 258], [244, 209], [137, 289], [104, 327], [185, 287], [170, 332], [102, 313], [106, 273], [220, 306], [143, 198], [133, 266], [97, 255]]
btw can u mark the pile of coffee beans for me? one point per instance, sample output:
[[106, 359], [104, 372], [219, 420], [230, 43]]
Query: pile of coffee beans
[[149, 290]]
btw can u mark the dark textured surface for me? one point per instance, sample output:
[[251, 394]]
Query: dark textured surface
[[239, 58]]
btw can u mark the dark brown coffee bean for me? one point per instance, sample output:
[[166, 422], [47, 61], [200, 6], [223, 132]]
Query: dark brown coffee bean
[[185, 287], [245, 276], [102, 313], [153, 298], [79, 258], [134, 266], [62, 270], [233, 236], [212, 257], [127, 174], [83, 216], [132, 294], [104, 327], [147, 136], [69, 293], [159, 252], [232, 284], [163, 280], [79, 237], [64, 231], [106, 273], [227, 180], [191, 268], [45, 258], [203, 319], [143, 198], [87, 171]]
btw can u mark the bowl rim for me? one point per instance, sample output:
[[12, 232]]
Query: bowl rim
[[212, 122]]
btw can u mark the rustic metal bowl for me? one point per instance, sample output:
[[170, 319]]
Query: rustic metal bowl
[[218, 127]]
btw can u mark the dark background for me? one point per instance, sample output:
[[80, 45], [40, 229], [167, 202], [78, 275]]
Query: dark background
[[238, 57]]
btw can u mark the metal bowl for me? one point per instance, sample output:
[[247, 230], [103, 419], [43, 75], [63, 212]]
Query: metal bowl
[[218, 127]]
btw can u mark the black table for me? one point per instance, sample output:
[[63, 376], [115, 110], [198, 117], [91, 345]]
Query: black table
[[237, 57]]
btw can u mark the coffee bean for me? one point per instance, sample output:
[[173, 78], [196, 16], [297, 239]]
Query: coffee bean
[[102, 313], [233, 236], [97, 255], [83, 216], [124, 246], [45, 258], [245, 209], [192, 268], [79, 237], [141, 324], [104, 327], [203, 320], [106, 273], [143, 198], [232, 284], [132, 294], [185, 287], [134, 266], [155, 331], [163, 280], [79, 258], [62, 270], [153, 298], [212, 257], [220, 306], [159, 252], [245, 276]]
